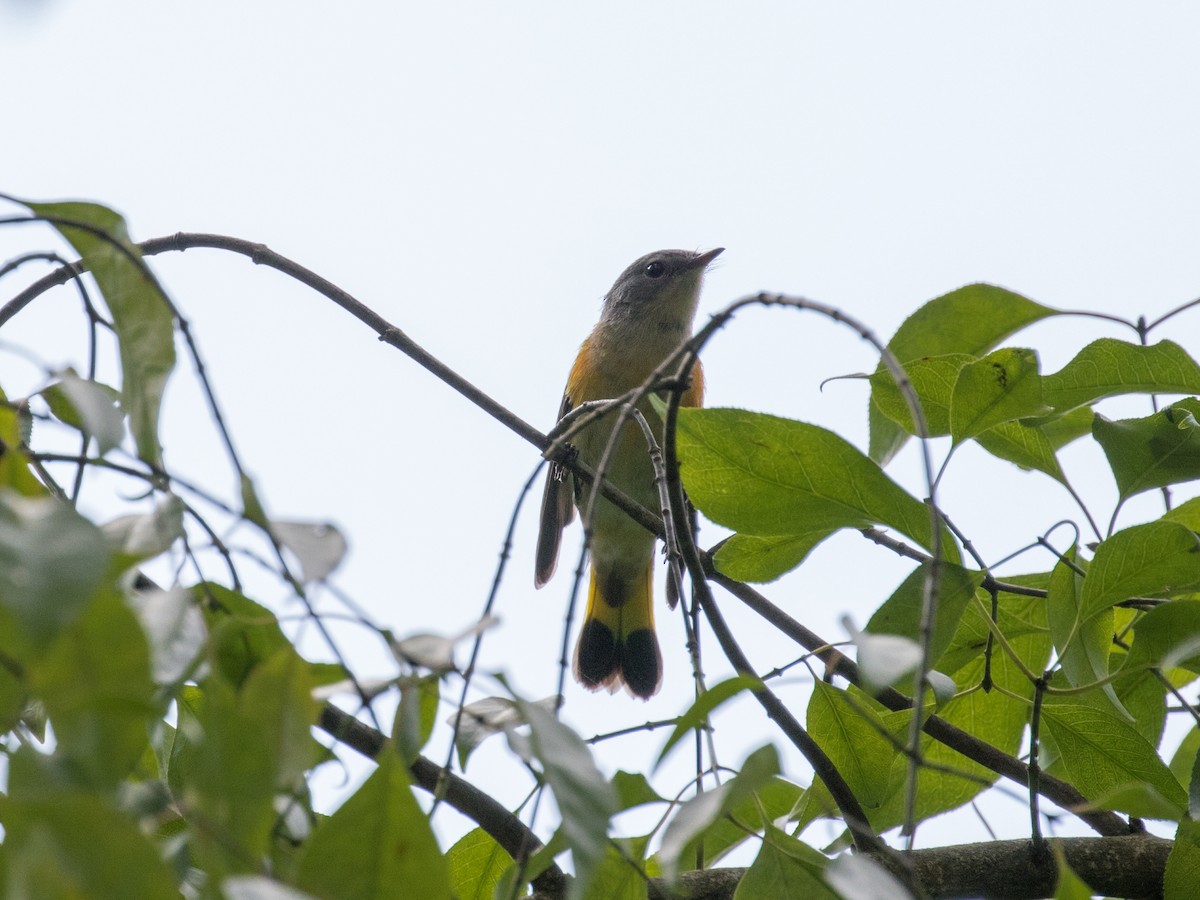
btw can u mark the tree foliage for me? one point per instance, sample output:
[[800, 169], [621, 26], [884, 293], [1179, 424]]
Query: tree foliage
[[161, 737]]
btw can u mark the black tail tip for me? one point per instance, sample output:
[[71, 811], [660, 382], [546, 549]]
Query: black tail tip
[[641, 663], [600, 662]]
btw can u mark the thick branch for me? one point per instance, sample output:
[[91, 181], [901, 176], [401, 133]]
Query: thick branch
[[1130, 866]]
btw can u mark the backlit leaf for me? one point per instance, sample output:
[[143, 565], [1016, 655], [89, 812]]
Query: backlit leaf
[[1003, 386], [1108, 367], [971, 320], [1157, 559], [1157, 450], [769, 477], [141, 313]]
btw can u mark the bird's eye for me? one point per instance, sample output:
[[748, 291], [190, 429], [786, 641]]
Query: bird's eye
[[655, 269]]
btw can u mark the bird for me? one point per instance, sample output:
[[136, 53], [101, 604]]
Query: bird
[[646, 315]]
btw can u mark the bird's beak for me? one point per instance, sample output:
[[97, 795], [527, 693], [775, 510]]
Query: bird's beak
[[701, 260]]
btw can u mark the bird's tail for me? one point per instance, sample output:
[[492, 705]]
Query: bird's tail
[[617, 645]]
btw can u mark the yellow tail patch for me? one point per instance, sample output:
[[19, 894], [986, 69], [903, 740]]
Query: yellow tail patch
[[617, 645]]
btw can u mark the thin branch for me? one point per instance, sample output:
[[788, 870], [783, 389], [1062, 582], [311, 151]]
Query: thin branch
[[477, 644]]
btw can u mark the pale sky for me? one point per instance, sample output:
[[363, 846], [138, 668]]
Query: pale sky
[[479, 174]]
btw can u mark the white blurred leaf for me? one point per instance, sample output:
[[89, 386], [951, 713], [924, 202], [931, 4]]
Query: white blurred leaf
[[259, 887], [292, 818], [697, 814], [943, 686], [434, 651], [493, 715], [861, 878], [174, 629], [146, 535], [364, 688], [319, 546], [94, 409], [883, 659], [585, 798]]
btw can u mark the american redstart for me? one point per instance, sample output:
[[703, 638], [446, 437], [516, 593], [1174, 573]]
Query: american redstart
[[647, 314]]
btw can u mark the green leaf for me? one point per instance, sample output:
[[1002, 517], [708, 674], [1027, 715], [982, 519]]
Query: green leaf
[[1140, 796], [634, 790], [766, 476], [748, 557], [88, 406], [1186, 513], [585, 799], [254, 745], [415, 716], [932, 378], [476, 863], [1158, 450], [901, 613], [378, 842], [1069, 886], [1003, 386], [1157, 559], [1108, 367], [855, 739], [231, 773], [1083, 644], [1141, 694], [620, 875], [970, 320], [51, 561], [1024, 445], [994, 717], [1183, 863], [13, 696], [278, 694], [1168, 636], [243, 633], [95, 683], [539, 861], [141, 314], [770, 802], [1182, 766], [784, 867], [1061, 429], [1101, 752], [1194, 789], [15, 473], [694, 817], [71, 845], [698, 713], [252, 506]]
